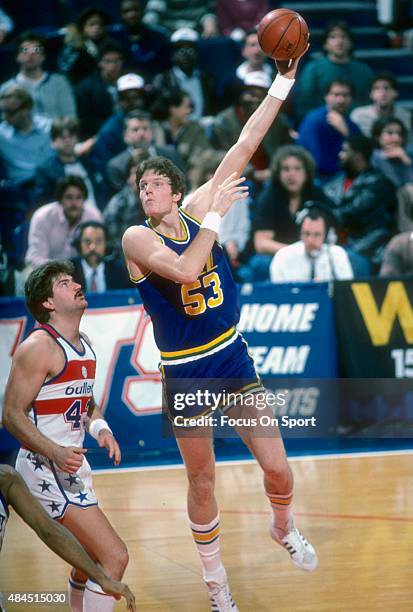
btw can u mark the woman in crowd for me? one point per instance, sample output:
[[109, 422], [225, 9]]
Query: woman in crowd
[[291, 184], [83, 40], [392, 156]]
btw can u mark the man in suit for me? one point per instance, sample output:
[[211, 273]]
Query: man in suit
[[138, 138], [95, 272]]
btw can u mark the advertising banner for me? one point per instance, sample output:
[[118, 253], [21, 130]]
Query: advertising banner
[[374, 323], [289, 331]]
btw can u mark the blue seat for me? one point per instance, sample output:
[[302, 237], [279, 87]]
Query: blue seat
[[111, 7], [396, 61], [364, 38], [219, 57], [29, 15], [318, 14], [405, 86]]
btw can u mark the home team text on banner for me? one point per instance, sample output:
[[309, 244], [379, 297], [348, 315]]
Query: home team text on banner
[[375, 334], [289, 331]]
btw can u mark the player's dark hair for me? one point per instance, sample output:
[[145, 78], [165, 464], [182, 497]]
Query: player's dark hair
[[31, 36], [39, 286], [163, 167]]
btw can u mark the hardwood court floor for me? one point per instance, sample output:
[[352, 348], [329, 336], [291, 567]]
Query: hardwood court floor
[[357, 511]]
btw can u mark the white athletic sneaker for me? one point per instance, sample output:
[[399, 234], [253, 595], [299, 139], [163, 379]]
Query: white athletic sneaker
[[302, 553], [221, 598]]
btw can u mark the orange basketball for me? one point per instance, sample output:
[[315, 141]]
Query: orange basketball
[[283, 34]]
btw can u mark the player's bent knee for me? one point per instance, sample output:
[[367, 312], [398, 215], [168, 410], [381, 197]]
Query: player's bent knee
[[116, 562], [278, 472], [202, 486]]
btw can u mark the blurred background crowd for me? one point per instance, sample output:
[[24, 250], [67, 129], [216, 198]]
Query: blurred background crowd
[[88, 90]]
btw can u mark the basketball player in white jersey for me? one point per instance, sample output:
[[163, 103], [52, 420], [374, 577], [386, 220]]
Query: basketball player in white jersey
[[47, 405], [14, 493]]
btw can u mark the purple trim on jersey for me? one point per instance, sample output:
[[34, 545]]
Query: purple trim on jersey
[[67, 341]]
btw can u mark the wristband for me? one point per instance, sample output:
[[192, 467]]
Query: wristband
[[212, 221], [96, 427], [280, 87]]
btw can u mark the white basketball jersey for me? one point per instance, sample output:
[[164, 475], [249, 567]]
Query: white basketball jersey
[[60, 409], [4, 515]]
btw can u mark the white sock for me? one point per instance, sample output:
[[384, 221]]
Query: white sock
[[76, 592], [206, 538], [95, 600]]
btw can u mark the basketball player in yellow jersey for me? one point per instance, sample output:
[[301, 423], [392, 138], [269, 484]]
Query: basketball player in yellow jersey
[[186, 287]]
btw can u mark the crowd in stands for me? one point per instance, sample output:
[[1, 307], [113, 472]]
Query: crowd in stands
[[331, 186]]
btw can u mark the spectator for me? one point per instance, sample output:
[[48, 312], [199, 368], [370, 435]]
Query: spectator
[[174, 14], [324, 129], [175, 129], [392, 156], [235, 227], [6, 25], [398, 256], [185, 74], [365, 203], [405, 208], [51, 92], [209, 26], [109, 141], [383, 93], [24, 137], [238, 16], [336, 64], [147, 48], [138, 138], [96, 95], [7, 287], [94, 270], [83, 42], [228, 124], [64, 161], [312, 258], [53, 226], [124, 209], [254, 57], [291, 184]]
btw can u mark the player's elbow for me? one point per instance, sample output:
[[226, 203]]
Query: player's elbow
[[189, 277], [188, 271]]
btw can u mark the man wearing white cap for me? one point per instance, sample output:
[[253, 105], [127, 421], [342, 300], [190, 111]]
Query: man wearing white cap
[[228, 124], [131, 97], [185, 74]]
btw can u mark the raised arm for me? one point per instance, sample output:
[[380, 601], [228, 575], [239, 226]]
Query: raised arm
[[54, 535], [32, 363], [251, 135]]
